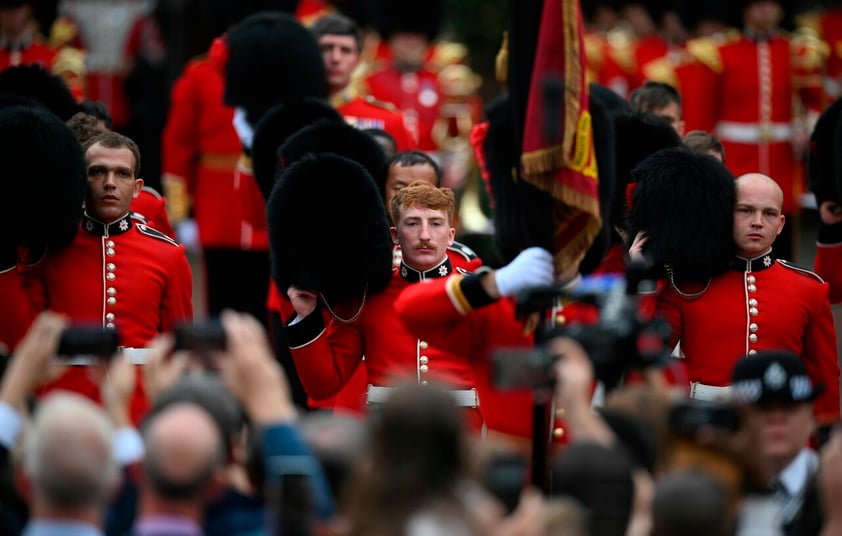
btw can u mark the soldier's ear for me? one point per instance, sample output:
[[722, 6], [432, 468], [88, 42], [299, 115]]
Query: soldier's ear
[[394, 232], [138, 186]]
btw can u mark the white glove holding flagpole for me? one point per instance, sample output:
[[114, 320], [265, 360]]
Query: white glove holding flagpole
[[533, 267]]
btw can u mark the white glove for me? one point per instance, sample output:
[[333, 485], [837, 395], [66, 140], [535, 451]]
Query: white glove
[[533, 267]]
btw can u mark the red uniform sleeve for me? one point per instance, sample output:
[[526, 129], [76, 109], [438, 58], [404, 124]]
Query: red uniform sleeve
[[820, 358], [698, 86], [829, 259], [326, 354], [458, 317], [668, 307], [177, 305], [180, 148], [17, 311]]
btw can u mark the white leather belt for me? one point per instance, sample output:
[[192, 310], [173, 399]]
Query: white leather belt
[[465, 398], [135, 356], [753, 132], [709, 393]]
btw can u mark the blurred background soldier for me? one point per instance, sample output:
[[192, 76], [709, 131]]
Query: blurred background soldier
[[407, 81], [201, 151], [340, 40], [21, 41], [756, 100]]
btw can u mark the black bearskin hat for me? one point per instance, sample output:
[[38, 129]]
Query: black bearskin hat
[[656, 9], [328, 230], [272, 59], [340, 139], [739, 6], [692, 12], [33, 82], [823, 164], [590, 7], [391, 17], [275, 128], [223, 14], [637, 136], [684, 201], [522, 213], [602, 102], [45, 178]]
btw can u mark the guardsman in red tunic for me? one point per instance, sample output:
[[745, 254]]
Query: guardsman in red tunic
[[826, 26], [200, 152], [601, 30], [760, 304], [407, 82], [750, 99], [117, 273], [473, 315], [328, 355], [341, 43], [20, 43]]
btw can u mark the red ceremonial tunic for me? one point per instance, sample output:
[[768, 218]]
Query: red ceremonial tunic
[[761, 304], [416, 94], [201, 149], [352, 395], [31, 51], [457, 315], [748, 98], [123, 275], [326, 357]]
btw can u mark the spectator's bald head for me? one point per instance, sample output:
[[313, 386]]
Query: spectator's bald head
[[184, 452], [68, 455]]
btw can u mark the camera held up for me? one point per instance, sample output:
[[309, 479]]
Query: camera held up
[[623, 337]]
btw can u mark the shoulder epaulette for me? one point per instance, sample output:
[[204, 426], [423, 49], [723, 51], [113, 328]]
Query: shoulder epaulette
[[153, 191], [809, 51], [381, 104], [62, 32], [809, 19], [621, 48], [706, 50], [594, 49], [661, 70], [463, 250], [154, 233], [800, 270]]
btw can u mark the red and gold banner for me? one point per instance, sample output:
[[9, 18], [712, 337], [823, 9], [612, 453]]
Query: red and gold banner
[[564, 168]]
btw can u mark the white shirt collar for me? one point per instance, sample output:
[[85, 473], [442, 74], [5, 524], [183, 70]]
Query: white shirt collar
[[794, 476]]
